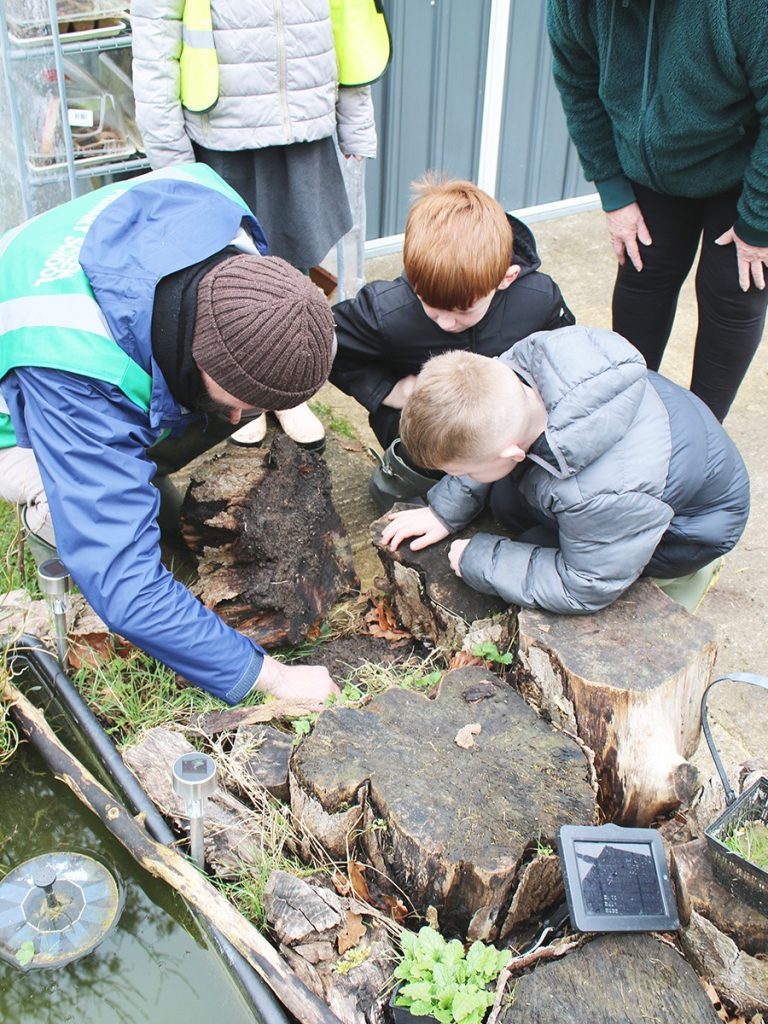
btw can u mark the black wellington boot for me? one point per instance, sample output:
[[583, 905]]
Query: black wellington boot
[[394, 480]]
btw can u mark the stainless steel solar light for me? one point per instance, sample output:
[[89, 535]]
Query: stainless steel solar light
[[55, 582], [194, 780]]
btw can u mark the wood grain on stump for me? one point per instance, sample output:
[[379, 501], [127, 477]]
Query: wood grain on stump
[[462, 822], [434, 604], [273, 554], [615, 979], [629, 681]]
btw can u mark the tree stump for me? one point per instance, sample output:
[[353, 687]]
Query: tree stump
[[435, 604], [738, 977], [331, 944], [628, 681], [747, 927], [468, 786], [273, 553], [614, 979]]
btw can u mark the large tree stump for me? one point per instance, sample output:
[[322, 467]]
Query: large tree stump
[[434, 604], [273, 553], [467, 784], [629, 681], [615, 979]]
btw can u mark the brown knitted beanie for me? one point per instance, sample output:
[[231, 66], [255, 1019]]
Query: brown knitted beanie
[[263, 331]]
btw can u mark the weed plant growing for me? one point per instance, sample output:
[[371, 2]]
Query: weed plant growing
[[438, 979]]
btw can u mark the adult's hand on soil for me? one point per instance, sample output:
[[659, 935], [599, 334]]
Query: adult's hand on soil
[[296, 682], [751, 260], [399, 394], [413, 522], [626, 228]]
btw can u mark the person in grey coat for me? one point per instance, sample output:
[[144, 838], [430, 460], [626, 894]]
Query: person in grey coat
[[609, 470]]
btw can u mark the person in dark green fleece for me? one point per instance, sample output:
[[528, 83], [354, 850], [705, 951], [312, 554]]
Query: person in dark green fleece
[[667, 105]]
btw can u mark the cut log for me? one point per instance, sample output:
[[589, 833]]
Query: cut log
[[628, 681], [231, 830], [738, 977], [747, 927], [263, 754], [273, 554], [462, 819], [434, 604], [339, 952], [615, 979]]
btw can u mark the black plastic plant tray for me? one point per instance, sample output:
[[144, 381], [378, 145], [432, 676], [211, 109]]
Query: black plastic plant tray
[[740, 876]]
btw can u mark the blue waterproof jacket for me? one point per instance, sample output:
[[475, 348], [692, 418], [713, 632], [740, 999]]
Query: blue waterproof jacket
[[90, 439]]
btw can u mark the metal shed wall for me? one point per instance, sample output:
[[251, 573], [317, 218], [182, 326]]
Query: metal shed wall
[[433, 107]]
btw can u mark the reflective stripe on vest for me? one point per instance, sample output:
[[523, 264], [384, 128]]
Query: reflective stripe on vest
[[48, 314], [361, 38], [198, 66]]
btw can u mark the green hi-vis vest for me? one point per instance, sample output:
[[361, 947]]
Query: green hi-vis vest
[[362, 41], [48, 314], [198, 66]]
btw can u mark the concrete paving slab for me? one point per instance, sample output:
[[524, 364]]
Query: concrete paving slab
[[576, 252]]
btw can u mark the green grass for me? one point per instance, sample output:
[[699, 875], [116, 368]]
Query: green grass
[[133, 694], [13, 573], [9, 737], [750, 841], [333, 422]]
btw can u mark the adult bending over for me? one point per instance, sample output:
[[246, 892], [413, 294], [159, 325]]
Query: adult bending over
[[124, 315]]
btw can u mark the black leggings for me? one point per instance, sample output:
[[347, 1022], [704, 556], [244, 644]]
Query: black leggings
[[730, 321]]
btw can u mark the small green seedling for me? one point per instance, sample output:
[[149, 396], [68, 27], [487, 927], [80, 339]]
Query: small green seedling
[[303, 726], [438, 979], [488, 651]]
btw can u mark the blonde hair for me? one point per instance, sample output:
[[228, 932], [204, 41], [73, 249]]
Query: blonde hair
[[464, 407], [458, 242]]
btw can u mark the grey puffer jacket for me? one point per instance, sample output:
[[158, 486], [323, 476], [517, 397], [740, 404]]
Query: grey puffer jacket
[[278, 81], [638, 478]]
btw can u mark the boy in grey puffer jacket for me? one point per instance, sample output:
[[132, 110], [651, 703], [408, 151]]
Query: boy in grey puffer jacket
[[628, 473]]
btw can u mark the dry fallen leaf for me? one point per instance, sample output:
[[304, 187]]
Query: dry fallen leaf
[[431, 916], [359, 884], [382, 623], [465, 737], [545, 628], [395, 907], [463, 658], [352, 932]]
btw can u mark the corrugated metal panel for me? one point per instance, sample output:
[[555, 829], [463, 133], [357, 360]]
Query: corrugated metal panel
[[429, 104], [429, 108], [538, 163]]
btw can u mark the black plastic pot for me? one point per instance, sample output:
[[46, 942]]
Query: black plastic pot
[[402, 1015]]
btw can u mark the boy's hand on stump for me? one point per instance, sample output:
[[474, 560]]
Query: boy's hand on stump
[[413, 522], [455, 553], [296, 682]]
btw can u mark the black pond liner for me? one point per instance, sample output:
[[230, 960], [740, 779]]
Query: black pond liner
[[740, 876], [59, 687]]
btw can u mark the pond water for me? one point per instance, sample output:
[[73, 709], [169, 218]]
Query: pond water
[[157, 966]]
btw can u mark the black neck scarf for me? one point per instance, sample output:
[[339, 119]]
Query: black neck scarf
[[174, 312]]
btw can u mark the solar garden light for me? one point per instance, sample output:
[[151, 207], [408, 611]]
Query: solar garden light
[[55, 581], [194, 780]]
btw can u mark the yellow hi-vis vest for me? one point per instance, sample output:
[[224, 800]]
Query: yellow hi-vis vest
[[361, 38], [198, 66]]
